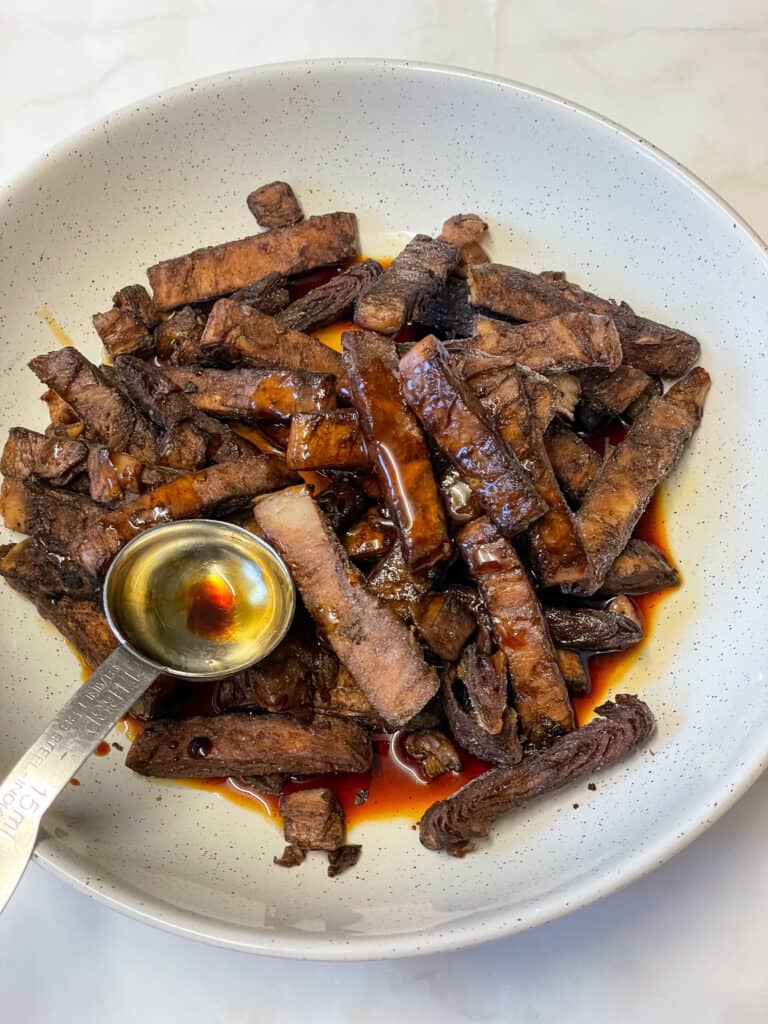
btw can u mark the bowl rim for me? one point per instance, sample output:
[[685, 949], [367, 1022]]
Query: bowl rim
[[500, 922]]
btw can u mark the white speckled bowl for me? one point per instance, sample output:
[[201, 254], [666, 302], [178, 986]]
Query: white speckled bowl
[[405, 147]]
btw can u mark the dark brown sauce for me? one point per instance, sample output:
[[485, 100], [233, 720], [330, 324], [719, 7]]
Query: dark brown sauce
[[102, 749], [210, 605]]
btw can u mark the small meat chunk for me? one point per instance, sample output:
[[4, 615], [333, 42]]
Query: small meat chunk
[[453, 417], [270, 295], [575, 464], [42, 575], [291, 857], [465, 230], [328, 440], [434, 752], [444, 622], [343, 859], [275, 205], [413, 277], [342, 501], [46, 512], [28, 455], [572, 341], [397, 447], [641, 568], [127, 327], [366, 636], [481, 722], [448, 312], [613, 628], [333, 300], [206, 747], [177, 339], [606, 395], [312, 819], [575, 672], [371, 537], [454, 823], [222, 269]]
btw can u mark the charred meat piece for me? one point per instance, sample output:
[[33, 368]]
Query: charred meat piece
[[556, 546], [454, 823], [371, 537], [327, 440], [485, 679], [40, 574], [342, 501], [291, 857], [234, 744], [444, 621], [541, 698], [654, 348], [107, 414], [394, 582], [413, 277], [461, 502], [606, 395], [269, 295], [331, 301], [613, 628], [465, 231], [448, 312], [434, 752], [127, 327], [397, 447], [633, 470], [188, 437], [177, 339], [312, 819], [574, 671], [575, 464], [275, 205], [28, 455], [252, 395], [482, 673], [573, 341], [54, 515], [255, 339], [343, 859], [222, 269], [366, 636], [641, 568], [217, 490], [455, 420]]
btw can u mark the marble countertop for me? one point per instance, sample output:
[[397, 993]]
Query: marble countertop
[[685, 942]]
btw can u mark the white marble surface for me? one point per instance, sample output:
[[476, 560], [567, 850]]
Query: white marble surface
[[685, 943]]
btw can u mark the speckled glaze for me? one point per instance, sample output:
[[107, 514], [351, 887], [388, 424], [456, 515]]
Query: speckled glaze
[[405, 147]]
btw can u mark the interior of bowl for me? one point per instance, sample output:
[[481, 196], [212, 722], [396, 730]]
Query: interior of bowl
[[405, 147]]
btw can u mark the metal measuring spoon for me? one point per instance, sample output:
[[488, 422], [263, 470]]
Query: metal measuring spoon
[[198, 599]]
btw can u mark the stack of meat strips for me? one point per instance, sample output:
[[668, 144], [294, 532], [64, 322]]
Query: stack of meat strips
[[458, 549]]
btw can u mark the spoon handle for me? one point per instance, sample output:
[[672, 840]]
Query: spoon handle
[[36, 780]]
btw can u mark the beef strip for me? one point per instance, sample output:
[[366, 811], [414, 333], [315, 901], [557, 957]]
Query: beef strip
[[572, 341], [521, 632], [413, 277], [654, 389], [649, 346], [484, 679], [109, 417], [217, 490], [448, 312], [253, 395], [312, 819], [556, 547], [574, 672], [42, 575], [188, 437], [371, 537], [28, 455], [613, 628], [465, 230], [236, 744], [397, 447], [454, 823], [255, 339], [633, 470], [606, 395], [270, 295], [455, 420], [127, 327], [331, 301], [54, 515], [275, 205], [221, 269], [343, 859], [366, 636], [544, 396], [342, 501], [177, 339], [327, 440], [641, 568], [575, 464], [434, 752], [444, 622]]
